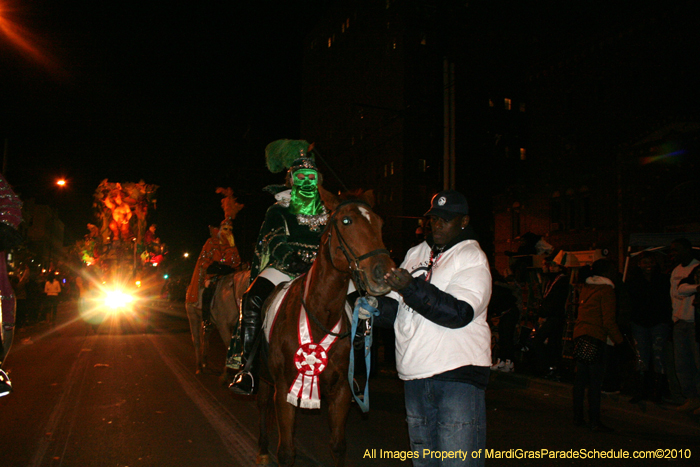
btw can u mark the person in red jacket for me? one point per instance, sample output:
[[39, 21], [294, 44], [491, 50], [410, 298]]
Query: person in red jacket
[[596, 324], [219, 256]]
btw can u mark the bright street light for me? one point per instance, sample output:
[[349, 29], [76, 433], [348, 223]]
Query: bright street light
[[61, 182]]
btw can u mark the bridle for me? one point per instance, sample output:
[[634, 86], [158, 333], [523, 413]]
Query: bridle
[[358, 275]]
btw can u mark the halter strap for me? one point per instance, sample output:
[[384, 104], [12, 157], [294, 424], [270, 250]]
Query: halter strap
[[350, 256]]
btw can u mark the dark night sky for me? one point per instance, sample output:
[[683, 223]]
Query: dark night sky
[[180, 94]]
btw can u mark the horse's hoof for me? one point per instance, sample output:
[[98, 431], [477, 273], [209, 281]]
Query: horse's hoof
[[263, 459]]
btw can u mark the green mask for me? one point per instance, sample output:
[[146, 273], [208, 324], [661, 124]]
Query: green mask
[[305, 198]]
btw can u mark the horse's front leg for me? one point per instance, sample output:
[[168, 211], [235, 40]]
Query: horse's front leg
[[286, 413], [194, 316], [266, 411], [338, 408]]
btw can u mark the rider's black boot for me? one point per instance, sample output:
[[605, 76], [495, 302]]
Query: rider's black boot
[[245, 382]]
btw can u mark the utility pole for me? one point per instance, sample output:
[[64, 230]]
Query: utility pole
[[449, 162]]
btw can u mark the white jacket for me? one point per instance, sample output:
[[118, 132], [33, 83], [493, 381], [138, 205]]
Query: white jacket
[[425, 349]]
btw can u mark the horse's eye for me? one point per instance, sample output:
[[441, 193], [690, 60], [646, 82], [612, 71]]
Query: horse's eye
[[347, 221]]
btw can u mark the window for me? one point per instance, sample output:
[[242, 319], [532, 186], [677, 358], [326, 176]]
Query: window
[[392, 168], [522, 107], [522, 154], [507, 103], [491, 104], [329, 42]]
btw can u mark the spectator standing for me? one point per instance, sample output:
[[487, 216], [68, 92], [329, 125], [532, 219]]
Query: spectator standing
[[651, 326], [547, 341], [504, 306], [685, 347], [594, 324], [443, 342], [52, 288]]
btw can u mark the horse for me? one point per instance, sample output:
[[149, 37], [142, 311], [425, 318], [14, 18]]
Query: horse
[[225, 312], [351, 247]]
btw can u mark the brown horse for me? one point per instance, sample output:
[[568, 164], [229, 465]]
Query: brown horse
[[351, 247], [225, 311]]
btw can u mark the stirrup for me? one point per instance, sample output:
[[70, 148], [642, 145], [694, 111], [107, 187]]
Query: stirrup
[[5, 384], [239, 385]]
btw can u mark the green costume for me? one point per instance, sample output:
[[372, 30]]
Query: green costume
[[286, 247], [291, 232], [285, 238]]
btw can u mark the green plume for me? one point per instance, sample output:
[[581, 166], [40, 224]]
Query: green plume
[[280, 154]]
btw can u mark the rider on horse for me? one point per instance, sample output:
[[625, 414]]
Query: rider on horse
[[286, 246], [219, 257]]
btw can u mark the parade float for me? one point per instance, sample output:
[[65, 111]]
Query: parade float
[[121, 254]]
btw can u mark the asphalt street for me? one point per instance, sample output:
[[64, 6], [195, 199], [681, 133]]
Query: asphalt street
[[130, 397]]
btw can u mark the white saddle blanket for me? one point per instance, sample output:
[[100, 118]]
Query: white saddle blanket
[[273, 308]]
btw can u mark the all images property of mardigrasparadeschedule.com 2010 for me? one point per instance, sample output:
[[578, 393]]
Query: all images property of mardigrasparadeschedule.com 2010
[[530, 454]]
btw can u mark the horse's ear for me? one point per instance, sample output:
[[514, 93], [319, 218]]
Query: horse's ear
[[330, 201], [368, 197]]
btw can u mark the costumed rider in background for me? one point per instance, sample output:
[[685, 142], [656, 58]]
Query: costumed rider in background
[[10, 218], [286, 247], [219, 257]]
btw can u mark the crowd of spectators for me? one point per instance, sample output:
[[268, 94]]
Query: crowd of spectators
[[646, 328]]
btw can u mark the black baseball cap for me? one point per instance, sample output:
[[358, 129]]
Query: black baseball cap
[[448, 204]]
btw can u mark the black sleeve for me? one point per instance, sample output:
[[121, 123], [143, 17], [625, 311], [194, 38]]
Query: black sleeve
[[439, 307], [388, 307]]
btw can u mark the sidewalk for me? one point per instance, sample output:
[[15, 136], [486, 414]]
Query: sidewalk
[[616, 404]]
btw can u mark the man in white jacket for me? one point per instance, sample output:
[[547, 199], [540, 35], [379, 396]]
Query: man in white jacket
[[443, 342], [685, 346]]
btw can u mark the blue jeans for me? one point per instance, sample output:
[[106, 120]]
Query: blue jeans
[[650, 343], [687, 358], [446, 416]]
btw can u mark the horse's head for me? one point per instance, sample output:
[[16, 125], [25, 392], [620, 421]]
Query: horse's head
[[354, 240]]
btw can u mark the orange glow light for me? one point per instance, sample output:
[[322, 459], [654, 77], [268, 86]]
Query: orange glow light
[[61, 182], [22, 38]]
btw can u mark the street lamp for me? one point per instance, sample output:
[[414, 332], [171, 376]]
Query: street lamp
[[61, 182], [186, 255]]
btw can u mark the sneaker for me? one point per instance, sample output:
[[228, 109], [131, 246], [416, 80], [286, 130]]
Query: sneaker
[[498, 366], [508, 367]]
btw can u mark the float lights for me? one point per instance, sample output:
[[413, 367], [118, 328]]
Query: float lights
[[61, 182], [165, 276], [186, 255]]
